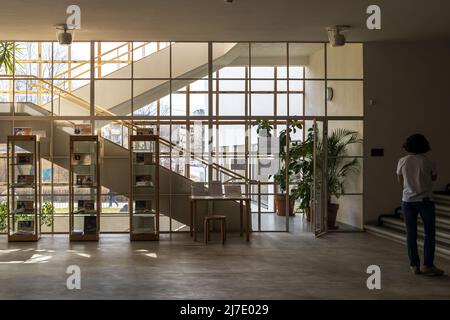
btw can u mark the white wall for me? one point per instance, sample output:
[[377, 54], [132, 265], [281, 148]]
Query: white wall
[[410, 86]]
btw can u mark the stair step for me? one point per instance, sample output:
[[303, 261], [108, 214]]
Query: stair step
[[442, 196], [442, 236], [443, 199], [399, 237], [442, 219], [442, 209], [441, 223]]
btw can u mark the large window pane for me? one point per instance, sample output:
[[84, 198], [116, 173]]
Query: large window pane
[[231, 104], [112, 97], [230, 59], [192, 65], [179, 103], [71, 97], [72, 61], [147, 95], [355, 149], [310, 55], [154, 65], [345, 62], [33, 97], [314, 98], [347, 99], [198, 104], [262, 104], [113, 59]]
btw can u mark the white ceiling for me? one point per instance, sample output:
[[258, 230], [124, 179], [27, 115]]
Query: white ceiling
[[243, 20]]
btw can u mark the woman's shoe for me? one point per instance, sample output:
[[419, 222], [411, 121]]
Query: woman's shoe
[[432, 271], [415, 269]]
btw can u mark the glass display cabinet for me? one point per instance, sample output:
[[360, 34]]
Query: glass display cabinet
[[24, 187], [144, 193], [84, 187]]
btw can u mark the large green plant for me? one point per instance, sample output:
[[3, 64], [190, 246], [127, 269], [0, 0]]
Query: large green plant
[[3, 216], [47, 212], [302, 189], [339, 165], [7, 51]]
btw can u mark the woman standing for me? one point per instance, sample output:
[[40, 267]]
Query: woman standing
[[416, 173]]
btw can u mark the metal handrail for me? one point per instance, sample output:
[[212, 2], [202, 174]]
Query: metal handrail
[[101, 55], [219, 167]]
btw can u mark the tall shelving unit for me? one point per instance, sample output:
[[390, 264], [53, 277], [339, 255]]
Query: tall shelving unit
[[144, 187], [85, 187], [24, 187]]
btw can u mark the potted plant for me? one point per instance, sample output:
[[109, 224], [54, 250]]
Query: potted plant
[[293, 164], [7, 50], [338, 168], [3, 216], [305, 182]]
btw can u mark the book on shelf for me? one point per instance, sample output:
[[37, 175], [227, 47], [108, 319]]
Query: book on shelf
[[144, 131], [24, 206], [25, 179], [86, 206], [144, 158], [81, 159], [82, 129], [77, 232], [18, 131], [143, 180], [84, 180], [25, 226], [142, 206], [24, 158], [90, 225], [143, 224]]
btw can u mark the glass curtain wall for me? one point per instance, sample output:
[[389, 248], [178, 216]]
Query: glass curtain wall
[[205, 100]]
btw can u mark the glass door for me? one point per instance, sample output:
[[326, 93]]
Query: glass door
[[319, 197]]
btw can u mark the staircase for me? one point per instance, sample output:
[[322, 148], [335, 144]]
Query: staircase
[[392, 226]]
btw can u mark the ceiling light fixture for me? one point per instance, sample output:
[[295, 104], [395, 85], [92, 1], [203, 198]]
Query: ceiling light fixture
[[335, 36], [64, 34]]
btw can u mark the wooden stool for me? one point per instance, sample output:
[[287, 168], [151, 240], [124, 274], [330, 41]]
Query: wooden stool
[[223, 227]]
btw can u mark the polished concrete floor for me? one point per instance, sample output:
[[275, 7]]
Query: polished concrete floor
[[271, 266]]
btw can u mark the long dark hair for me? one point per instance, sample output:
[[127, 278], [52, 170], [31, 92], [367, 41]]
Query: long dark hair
[[417, 144]]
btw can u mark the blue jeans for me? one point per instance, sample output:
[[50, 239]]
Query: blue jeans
[[426, 210]]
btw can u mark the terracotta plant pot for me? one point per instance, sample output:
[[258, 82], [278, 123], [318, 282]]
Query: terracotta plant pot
[[280, 205], [332, 214]]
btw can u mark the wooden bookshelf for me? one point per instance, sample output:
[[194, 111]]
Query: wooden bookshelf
[[24, 188], [85, 187], [144, 187]]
